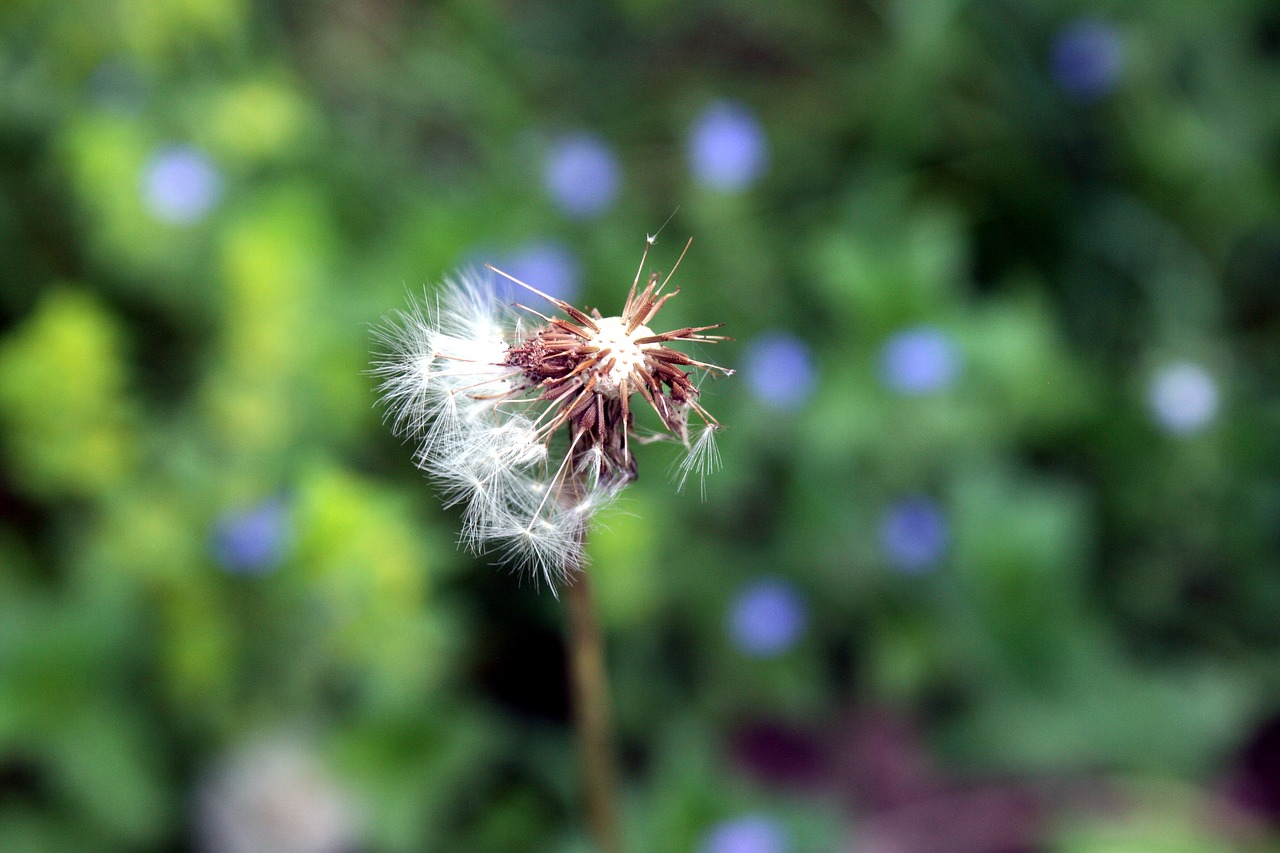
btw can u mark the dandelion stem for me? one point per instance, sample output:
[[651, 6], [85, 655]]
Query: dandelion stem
[[592, 712]]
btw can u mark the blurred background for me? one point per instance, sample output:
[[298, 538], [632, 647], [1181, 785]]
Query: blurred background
[[993, 561]]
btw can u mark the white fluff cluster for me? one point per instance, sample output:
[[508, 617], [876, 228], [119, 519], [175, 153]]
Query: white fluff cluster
[[481, 429]]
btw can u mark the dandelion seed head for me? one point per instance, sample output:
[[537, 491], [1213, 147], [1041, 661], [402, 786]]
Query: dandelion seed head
[[527, 422]]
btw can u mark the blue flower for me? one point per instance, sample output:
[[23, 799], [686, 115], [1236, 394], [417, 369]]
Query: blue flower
[[748, 834], [549, 266], [582, 175], [727, 148], [914, 534], [767, 618], [1183, 397], [251, 541], [1087, 58], [919, 360], [779, 370], [180, 185]]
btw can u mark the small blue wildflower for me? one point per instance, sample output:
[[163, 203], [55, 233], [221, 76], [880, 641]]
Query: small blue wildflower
[[582, 175], [1087, 58], [914, 534], [1183, 397], [550, 266], [779, 370], [919, 360], [767, 618], [180, 185], [727, 148], [251, 541], [748, 834]]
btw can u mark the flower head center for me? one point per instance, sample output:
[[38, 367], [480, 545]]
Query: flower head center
[[619, 353]]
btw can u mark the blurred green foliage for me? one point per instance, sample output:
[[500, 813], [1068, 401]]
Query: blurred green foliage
[[1018, 461]]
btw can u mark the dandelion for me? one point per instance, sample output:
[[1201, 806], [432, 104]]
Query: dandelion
[[527, 420]]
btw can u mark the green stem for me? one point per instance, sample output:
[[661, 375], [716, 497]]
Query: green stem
[[593, 713]]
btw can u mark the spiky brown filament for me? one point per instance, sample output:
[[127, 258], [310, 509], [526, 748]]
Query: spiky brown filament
[[588, 367]]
